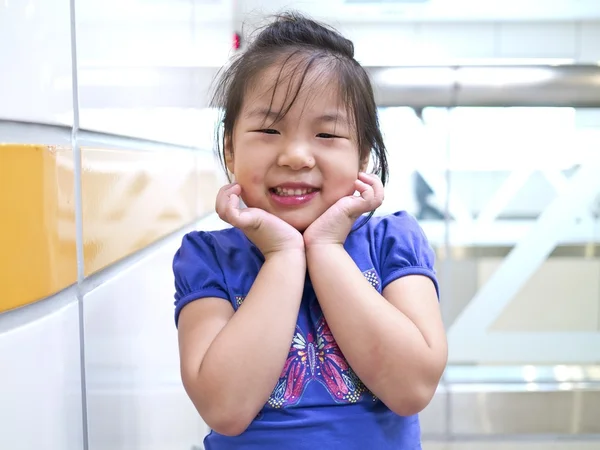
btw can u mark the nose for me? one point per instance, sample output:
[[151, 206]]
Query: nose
[[296, 155]]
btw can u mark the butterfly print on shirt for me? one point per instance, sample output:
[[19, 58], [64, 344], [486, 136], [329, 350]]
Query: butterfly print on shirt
[[317, 357]]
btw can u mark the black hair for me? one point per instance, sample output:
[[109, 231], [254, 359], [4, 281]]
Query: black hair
[[294, 38]]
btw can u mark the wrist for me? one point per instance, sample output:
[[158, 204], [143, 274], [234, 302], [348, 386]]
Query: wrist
[[314, 238], [287, 255], [322, 247]]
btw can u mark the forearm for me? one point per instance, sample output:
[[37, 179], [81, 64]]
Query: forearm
[[383, 346], [244, 362]]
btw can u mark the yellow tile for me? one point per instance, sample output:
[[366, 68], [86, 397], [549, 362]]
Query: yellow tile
[[132, 198], [37, 227]]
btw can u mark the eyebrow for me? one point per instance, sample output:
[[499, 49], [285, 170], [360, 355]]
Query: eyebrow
[[335, 118], [262, 112], [324, 118]]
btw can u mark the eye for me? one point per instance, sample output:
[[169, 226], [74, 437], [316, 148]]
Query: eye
[[326, 136], [268, 131]]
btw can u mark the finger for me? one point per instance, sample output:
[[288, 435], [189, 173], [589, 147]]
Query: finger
[[365, 190], [368, 178], [224, 198], [233, 212], [241, 218], [233, 204], [227, 188], [355, 205], [368, 200], [375, 182], [248, 218]]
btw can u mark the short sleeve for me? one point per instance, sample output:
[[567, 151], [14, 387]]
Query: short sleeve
[[404, 249], [197, 271]]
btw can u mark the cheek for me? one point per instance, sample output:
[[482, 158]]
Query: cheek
[[344, 183], [250, 180], [340, 174], [252, 185], [256, 179], [351, 188], [248, 173]]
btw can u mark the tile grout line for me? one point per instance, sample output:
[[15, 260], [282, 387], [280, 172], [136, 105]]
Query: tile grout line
[[78, 221]]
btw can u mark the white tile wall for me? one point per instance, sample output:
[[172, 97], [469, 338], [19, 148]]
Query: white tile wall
[[40, 384], [458, 40], [386, 43], [589, 50], [134, 393], [538, 40], [474, 10], [381, 44], [35, 62], [138, 68]]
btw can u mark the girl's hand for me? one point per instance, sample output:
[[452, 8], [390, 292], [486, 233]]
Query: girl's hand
[[269, 233], [334, 224]]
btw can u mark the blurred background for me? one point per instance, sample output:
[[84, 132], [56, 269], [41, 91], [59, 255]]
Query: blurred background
[[491, 114]]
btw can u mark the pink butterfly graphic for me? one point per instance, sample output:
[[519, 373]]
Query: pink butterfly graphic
[[316, 359]]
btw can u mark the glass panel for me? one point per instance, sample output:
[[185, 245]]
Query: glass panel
[[529, 180], [509, 199]]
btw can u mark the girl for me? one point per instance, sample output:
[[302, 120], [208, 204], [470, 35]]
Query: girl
[[299, 327]]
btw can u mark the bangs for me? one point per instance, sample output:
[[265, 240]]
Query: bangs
[[311, 73]]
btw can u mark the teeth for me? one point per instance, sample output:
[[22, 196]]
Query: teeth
[[289, 192]]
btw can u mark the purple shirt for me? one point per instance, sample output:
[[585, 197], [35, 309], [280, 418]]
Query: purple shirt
[[318, 402]]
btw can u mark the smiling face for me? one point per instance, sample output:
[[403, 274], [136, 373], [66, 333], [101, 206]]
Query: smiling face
[[298, 165]]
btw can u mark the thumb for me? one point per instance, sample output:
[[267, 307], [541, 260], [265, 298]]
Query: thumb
[[249, 219], [353, 206]]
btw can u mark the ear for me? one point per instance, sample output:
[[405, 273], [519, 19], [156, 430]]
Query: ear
[[228, 153]]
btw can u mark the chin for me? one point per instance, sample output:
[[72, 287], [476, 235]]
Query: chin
[[301, 226], [299, 223]]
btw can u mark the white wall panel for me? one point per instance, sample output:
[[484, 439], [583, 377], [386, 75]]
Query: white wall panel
[[425, 43], [385, 44], [435, 10], [137, 69], [589, 50], [133, 44], [40, 383], [212, 44], [135, 396], [35, 61], [536, 40], [466, 40]]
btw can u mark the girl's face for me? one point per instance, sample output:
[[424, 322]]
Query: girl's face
[[301, 165]]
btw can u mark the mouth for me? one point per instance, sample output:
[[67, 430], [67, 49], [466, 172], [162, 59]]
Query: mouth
[[292, 191], [293, 195]]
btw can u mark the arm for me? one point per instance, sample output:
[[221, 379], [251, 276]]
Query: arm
[[395, 342], [230, 363]]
